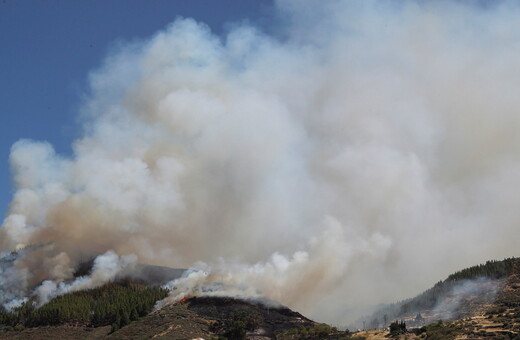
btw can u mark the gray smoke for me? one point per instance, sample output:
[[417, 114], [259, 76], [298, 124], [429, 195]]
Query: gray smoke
[[466, 294], [448, 300], [366, 150]]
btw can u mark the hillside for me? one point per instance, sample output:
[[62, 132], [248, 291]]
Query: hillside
[[122, 309], [194, 318], [114, 305], [461, 294], [480, 302], [211, 317]]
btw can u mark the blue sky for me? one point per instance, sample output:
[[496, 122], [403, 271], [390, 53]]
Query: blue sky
[[47, 49]]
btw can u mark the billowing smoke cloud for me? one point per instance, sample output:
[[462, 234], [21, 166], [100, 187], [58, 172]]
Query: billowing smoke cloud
[[105, 269], [364, 151]]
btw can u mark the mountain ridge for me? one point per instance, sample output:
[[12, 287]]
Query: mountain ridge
[[479, 302]]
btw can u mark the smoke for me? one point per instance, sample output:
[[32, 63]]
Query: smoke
[[106, 268], [356, 155], [465, 294], [447, 300]]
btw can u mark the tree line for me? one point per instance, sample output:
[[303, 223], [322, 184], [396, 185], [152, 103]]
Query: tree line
[[112, 304]]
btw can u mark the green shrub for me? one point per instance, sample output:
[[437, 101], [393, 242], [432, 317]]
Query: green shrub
[[18, 328], [397, 327]]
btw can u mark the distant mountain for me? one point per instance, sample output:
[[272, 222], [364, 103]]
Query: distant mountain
[[144, 273], [154, 275]]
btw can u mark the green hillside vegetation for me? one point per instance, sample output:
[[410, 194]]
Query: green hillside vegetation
[[112, 304], [431, 297], [319, 331], [428, 299], [491, 269]]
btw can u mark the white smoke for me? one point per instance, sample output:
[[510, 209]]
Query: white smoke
[[105, 269], [359, 154]]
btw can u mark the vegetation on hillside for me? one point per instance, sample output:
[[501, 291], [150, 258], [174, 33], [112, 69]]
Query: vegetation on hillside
[[319, 331], [431, 297], [397, 327], [491, 269], [441, 331], [112, 304], [237, 326]]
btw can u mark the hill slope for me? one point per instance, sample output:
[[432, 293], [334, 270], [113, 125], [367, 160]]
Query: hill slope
[[194, 318], [481, 302], [462, 294], [209, 316]]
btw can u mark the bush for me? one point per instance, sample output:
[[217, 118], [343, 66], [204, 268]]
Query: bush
[[241, 322], [18, 328], [397, 327], [442, 331]]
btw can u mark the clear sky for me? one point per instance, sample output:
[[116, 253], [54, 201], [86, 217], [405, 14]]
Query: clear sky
[[47, 49]]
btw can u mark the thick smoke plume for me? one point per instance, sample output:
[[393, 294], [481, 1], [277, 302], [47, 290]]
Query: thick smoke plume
[[358, 154]]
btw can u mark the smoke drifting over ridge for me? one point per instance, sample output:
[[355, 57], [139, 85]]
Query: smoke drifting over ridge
[[371, 151]]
